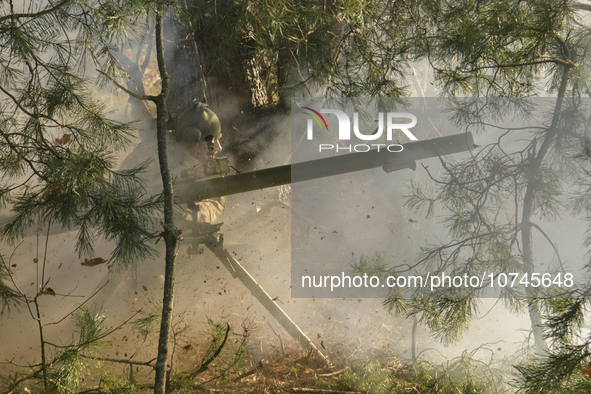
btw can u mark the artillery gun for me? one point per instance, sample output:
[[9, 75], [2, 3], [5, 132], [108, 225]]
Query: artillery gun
[[212, 179], [217, 182]]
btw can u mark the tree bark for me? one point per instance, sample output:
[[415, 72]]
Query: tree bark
[[526, 226], [170, 233], [189, 82]]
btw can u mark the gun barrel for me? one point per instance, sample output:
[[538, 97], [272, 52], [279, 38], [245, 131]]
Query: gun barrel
[[190, 190]]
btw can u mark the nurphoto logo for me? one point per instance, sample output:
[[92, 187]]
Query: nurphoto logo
[[344, 132]]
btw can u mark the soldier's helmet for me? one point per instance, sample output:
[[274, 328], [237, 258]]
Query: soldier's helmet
[[196, 124]]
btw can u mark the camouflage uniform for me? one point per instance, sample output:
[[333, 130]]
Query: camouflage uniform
[[209, 210], [195, 125]]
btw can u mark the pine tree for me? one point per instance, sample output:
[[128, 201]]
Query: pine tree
[[484, 49], [265, 51], [58, 147], [510, 49]]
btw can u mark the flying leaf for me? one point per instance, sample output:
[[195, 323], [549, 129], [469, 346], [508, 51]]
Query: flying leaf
[[45, 193], [35, 224], [587, 371], [65, 139], [93, 262], [49, 291], [57, 186]]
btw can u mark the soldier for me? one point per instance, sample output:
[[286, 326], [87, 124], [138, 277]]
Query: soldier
[[199, 129], [196, 139]]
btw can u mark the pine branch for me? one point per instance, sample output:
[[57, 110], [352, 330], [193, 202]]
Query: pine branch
[[150, 98], [582, 6], [550, 242], [84, 344], [79, 306], [515, 65], [206, 363], [120, 360], [35, 15]]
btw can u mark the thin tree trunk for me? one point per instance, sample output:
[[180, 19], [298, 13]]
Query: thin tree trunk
[[170, 233], [413, 339], [526, 226], [43, 355], [189, 82]]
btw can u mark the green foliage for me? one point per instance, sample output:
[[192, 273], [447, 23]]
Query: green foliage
[[120, 384], [495, 201], [376, 266], [80, 365], [67, 374], [447, 318], [181, 383], [503, 48], [148, 321], [67, 368], [58, 146], [461, 375], [558, 371], [350, 48], [561, 368], [8, 296], [371, 377], [464, 374], [485, 199], [498, 51], [227, 351], [365, 47], [90, 329]]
